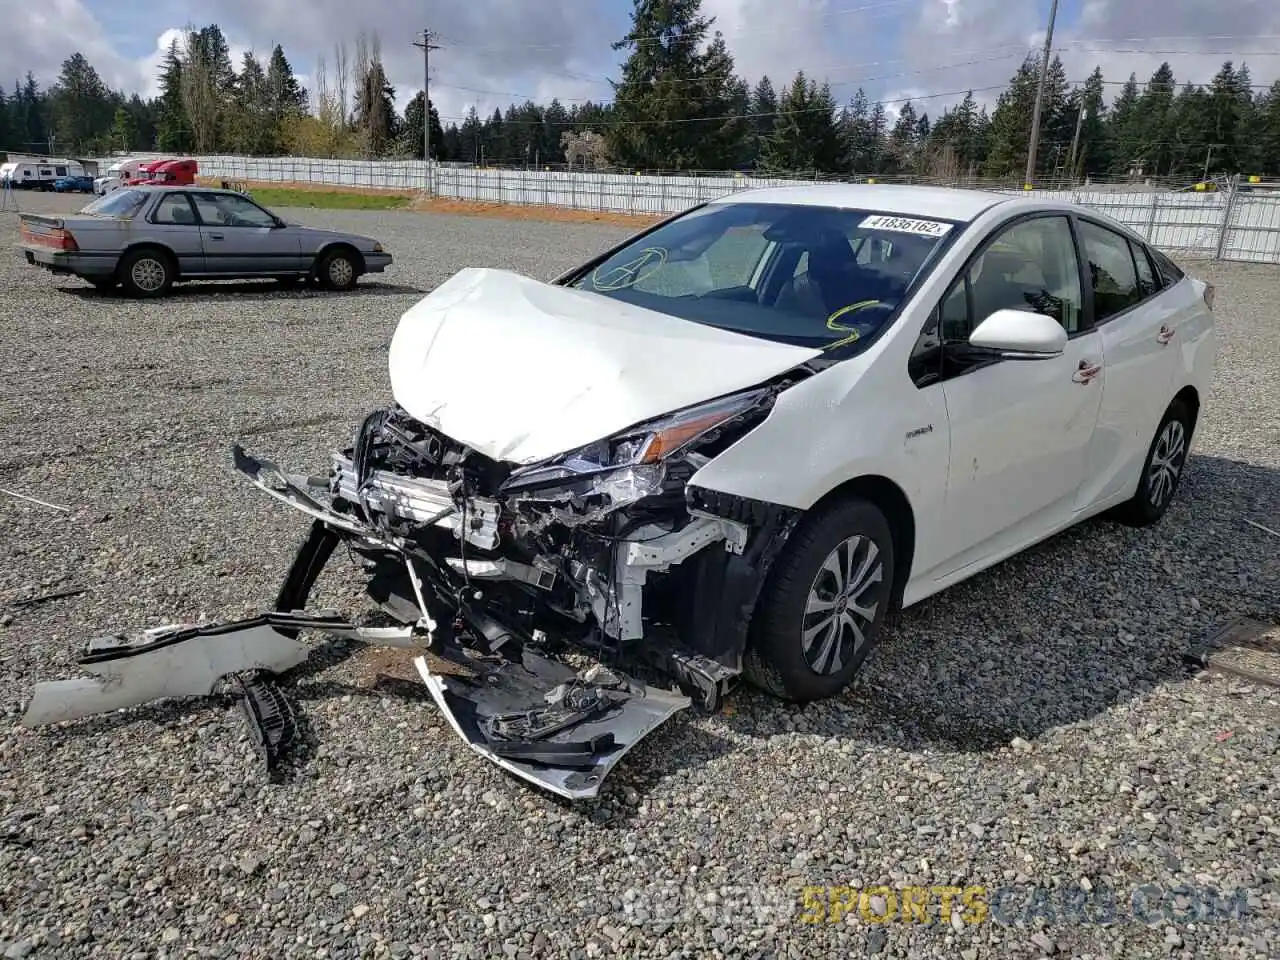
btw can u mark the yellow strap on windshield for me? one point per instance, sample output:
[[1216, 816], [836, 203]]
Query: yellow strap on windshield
[[853, 334]]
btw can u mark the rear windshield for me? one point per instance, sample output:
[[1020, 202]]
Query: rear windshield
[[807, 275], [122, 204]]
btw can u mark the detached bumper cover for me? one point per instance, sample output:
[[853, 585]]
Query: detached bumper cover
[[534, 717]]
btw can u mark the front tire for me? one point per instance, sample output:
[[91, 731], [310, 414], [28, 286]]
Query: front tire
[[338, 270], [1161, 471], [823, 607]]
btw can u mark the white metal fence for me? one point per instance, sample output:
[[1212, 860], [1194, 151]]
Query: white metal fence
[[1240, 222]]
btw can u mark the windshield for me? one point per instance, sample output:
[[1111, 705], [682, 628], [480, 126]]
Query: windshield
[[123, 204], [807, 275]]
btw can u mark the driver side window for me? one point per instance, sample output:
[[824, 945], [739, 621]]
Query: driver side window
[[1030, 266], [227, 210]]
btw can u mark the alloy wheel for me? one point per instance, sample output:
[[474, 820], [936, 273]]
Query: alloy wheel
[[836, 618], [1166, 462], [340, 271], [148, 275]]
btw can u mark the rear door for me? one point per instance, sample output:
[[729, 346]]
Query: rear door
[[239, 237], [173, 222], [1138, 323]]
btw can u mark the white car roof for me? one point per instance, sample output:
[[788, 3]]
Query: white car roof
[[945, 203]]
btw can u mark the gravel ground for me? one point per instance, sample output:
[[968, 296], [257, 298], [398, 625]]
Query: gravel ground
[[1031, 732]]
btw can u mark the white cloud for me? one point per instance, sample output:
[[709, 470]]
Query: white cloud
[[496, 51]]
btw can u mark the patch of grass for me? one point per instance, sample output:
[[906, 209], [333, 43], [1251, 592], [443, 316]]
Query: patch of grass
[[329, 199]]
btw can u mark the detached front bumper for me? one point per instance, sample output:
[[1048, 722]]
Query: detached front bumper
[[534, 716]]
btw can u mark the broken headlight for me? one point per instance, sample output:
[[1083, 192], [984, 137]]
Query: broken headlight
[[630, 465]]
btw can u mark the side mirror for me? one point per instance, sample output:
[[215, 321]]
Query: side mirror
[[1020, 335]]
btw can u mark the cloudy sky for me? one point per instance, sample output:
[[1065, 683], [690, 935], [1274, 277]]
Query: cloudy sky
[[495, 51]]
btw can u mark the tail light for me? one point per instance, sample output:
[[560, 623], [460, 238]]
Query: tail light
[[59, 238], [1208, 295]]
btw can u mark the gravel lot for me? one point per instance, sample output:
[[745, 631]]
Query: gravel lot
[[1032, 731]]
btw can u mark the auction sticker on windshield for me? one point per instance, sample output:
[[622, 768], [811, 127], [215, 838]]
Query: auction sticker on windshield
[[921, 228]]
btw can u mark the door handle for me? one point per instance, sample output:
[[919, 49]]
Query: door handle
[[1086, 372], [1165, 335], [216, 236]]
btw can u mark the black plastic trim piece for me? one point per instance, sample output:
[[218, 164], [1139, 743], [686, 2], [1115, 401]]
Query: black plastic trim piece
[[272, 722]]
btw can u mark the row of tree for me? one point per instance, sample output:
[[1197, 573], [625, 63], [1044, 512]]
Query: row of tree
[[678, 105]]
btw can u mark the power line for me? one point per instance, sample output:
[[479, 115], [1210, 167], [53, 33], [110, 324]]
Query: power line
[[864, 79], [771, 113], [881, 102], [657, 38], [1013, 49]]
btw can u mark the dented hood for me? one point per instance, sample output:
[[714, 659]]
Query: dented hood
[[522, 370]]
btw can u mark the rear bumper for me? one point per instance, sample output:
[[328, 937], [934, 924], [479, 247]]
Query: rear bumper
[[76, 264]]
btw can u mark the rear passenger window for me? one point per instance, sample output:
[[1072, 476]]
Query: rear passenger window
[[1111, 269], [1167, 268], [174, 208], [1148, 285]]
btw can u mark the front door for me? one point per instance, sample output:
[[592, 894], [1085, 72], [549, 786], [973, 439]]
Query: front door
[[239, 237], [173, 221], [1020, 429]]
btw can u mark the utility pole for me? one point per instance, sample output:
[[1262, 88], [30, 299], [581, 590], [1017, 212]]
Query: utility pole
[[427, 46], [1035, 115], [1075, 140]]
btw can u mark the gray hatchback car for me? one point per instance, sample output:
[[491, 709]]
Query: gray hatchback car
[[147, 238]]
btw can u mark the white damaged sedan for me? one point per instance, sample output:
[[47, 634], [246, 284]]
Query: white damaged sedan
[[728, 447]]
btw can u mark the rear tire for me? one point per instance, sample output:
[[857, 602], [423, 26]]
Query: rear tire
[[146, 273], [338, 270], [824, 604], [1161, 470]]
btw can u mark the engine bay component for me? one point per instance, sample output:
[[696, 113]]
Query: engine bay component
[[493, 573]]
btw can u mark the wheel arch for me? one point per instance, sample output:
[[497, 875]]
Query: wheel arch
[[344, 246], [151, 245], [1189, 397], [891, 500]]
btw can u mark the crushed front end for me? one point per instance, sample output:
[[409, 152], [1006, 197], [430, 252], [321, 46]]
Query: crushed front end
[[561, 610]]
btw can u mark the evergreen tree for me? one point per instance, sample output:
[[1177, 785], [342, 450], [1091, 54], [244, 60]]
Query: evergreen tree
[[288, 99], [1011, 122], [902, 140], [855, 131], [1226, 107], [173, 131], [6, 122], [671, 105], [124, 130], [411, 134], [1268, 113], [1150, 124], [1093, 151], [1126, 124], [806, 137], [254, 129], [80, 106], [764, 109]]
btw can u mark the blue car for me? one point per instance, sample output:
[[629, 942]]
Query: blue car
[[73, 185]]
